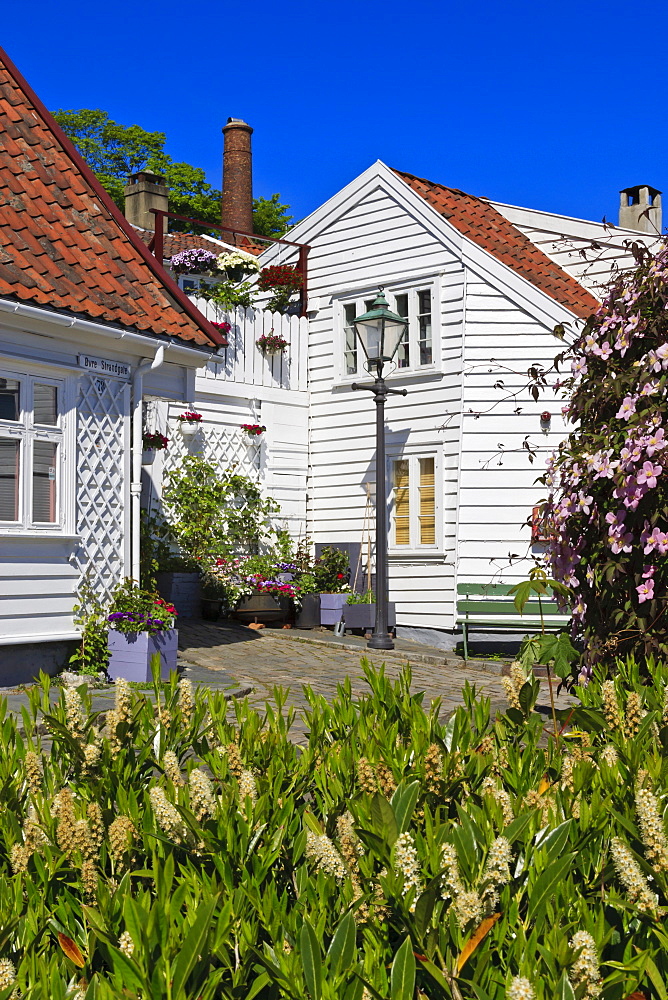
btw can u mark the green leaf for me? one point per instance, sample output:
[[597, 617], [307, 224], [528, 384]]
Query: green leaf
[[424, 907], [262, 980], [564, 988], [657, 979], [341, 953], [403, 803], [384, 819], [527, 697], [402, 976], [522, 592], [545, 885], [193, 946], [311, 960]]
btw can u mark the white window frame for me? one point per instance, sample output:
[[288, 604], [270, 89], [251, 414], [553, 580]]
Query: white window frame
[[415, 547], [27, 432], [412, 289]]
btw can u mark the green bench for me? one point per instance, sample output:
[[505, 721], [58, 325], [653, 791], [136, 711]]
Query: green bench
[[490, 607]]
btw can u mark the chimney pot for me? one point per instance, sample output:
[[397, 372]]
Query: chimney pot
[[640, 209], [237, 207], [143, 192]]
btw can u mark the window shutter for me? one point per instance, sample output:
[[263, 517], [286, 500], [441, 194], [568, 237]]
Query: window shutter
[[427, 502], [9, 480], [402, 534]]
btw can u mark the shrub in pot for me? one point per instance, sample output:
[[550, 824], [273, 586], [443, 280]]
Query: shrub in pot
[[332, 573], [360, 611]]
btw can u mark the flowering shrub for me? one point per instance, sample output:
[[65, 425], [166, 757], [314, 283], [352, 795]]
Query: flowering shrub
[[190, 417], [155, 441], [271, 343], [390, 851], [332, 571], [194, 261], [607, 513], [136, 610], [254, 430]]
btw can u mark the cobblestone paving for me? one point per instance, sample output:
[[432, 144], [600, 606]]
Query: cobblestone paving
[[263, 661]]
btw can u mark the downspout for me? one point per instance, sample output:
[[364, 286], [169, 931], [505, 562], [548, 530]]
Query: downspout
[[135, 485]]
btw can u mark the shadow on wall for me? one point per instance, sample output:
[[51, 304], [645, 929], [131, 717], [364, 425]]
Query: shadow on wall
[[22, 663]]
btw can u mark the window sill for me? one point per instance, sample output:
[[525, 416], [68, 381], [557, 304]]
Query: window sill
[[33, 534], [402, 377], [416, 556]]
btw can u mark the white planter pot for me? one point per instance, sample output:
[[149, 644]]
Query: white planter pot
[[148, 456], [189, 428]]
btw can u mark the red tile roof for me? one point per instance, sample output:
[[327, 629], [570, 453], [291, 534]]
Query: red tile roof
[[174, 243], [63, 243], [482, 223]]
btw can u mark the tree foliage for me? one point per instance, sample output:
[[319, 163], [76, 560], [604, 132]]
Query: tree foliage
[[114, 151], [607, 512]]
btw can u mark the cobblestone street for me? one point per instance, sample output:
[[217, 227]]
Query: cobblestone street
[[261, 661]]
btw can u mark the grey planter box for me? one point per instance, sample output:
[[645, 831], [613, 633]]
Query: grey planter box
[[131, 654], [331, 608], [364, 615], [183, 590]]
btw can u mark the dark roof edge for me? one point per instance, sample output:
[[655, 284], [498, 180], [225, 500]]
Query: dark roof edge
[[157, 269]]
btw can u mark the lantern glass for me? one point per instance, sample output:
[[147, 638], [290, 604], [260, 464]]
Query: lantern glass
[[380, 331]]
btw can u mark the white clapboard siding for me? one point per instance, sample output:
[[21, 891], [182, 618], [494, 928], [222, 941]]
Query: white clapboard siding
[[243, 362], [37, 589]]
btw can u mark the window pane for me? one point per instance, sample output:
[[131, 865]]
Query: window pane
[[45, 404], [427, 502], [403, 352], [401, 504], [424, 327], [350, 349], [44, 482], [10, 399], [9, 480]]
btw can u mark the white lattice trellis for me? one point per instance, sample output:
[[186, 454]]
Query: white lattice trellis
[[222, 447], [103, 500]]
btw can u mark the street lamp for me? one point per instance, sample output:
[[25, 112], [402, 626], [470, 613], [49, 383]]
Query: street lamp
[[380, 332]]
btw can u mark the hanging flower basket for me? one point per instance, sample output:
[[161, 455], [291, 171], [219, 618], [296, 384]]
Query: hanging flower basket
[[253, 430], [151, 443], [189, 423], [195, 261], [271, 343]]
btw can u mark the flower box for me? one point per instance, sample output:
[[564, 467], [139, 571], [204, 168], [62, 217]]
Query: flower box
[[364, 615], [331, 608], [131, 653], [262, 609]]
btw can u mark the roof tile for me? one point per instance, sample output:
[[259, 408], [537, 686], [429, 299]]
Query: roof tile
[[482, 223], [67, 246]]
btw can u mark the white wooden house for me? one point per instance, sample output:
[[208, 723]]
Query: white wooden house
[[483, 287], [90, 326]]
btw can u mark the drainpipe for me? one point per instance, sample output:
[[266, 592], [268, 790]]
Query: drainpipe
[[135, 485]]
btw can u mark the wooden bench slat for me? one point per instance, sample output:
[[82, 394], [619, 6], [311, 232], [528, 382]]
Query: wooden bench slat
[[505, 607]]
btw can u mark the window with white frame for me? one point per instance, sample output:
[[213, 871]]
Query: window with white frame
[[414, 525], [31, 451], [416, 349]]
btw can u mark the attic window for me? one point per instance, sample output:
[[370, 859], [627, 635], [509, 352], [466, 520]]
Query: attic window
[[416, 349]]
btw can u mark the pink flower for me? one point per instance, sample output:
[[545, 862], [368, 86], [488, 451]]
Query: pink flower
[[584, 502], [649, 388], [656, 540], [627, 409], [655, 442], [648, 474], [648, 572], [605, 351], [579, 366], [645, 591], [621, 543]]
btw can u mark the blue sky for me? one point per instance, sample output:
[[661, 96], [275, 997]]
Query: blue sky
[[553, 106]]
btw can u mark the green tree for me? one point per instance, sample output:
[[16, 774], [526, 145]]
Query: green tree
[[270, 218], [114, 151]]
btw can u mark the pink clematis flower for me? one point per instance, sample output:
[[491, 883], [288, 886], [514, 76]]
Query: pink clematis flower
[[655, 442], [627, 409], [645, 591], [648, 474]]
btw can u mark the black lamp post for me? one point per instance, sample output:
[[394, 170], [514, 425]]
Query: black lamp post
[[380, 332]]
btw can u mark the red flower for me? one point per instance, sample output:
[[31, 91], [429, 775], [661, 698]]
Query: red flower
[[339, 576]]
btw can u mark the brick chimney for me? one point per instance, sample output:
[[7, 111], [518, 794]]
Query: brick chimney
[[640, 209], [237, 210], [143, 192]]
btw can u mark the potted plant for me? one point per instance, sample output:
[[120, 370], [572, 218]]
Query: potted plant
[[141, 624], [195, 261], [253, 430], [360, 611], [152, 442], [271, 343], [332, 573], [283, 280], [308, 613], [237, 264], [189, 423]]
